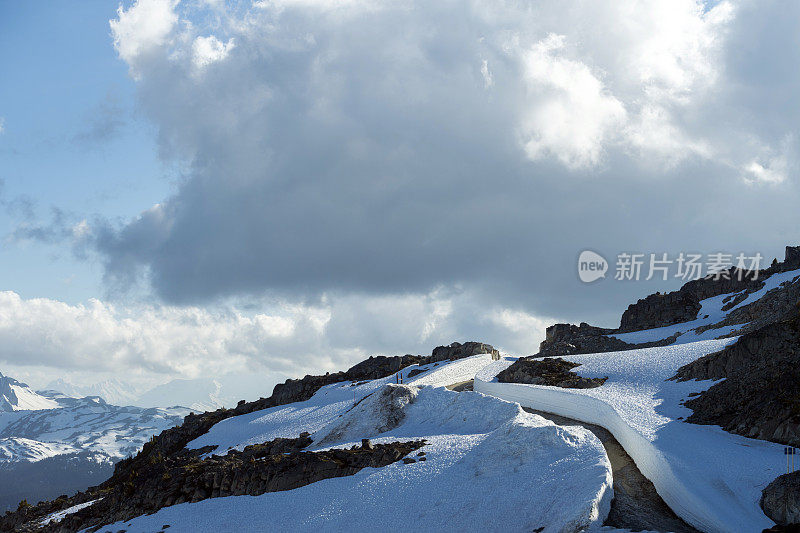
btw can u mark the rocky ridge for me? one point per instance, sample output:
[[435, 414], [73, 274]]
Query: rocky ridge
[[760, 396], [170, 444], [278, 465], [553, 371]]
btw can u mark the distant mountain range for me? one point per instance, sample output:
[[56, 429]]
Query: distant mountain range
[[198, 395], [111, 390], [52, 443]]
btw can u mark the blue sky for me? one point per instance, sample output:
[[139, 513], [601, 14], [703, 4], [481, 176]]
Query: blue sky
[[199, 188], [72, 139]]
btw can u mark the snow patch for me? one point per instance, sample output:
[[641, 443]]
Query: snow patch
[[710, 478], [60, 515], [489, 466]]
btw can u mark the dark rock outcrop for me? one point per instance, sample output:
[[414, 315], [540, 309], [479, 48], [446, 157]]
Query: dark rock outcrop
[[760, 396], [659, 310], [780, 500], [273, 466], [459, 351], [568, 339], [792, 258], [553, 371]]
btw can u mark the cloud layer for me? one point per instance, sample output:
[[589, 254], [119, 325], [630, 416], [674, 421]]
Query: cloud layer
[[400, 146], [152, 343], [424, 172]]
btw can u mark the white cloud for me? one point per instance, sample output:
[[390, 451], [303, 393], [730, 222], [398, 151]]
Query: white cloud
[[207, 50], [772, 171], [143, 28], [291, 340], [771, 166], [2, 125], [653, 135], [487, 74], [572, 115]]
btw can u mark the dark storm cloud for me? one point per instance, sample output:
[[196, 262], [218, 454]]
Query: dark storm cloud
[[394, 150]]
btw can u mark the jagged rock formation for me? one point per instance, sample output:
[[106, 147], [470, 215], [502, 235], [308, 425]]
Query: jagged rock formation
[[163, 481], [760, 396], [660, 310], [553, 371], [459, 351], [780, 500], [568, 339]]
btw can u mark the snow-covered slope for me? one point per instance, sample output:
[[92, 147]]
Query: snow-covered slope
[[329, 402], [16, 396], [81, 424], [67, 443], [710, 478], [15, 449], [489, 466]]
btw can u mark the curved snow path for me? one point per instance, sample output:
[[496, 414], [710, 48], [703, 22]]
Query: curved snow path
[[710, 478], [637, 505]]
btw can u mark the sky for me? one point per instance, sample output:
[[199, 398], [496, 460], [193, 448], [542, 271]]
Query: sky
[[272, 188]]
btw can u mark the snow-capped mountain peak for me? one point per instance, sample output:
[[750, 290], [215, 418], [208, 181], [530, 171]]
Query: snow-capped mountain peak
[[17, 396]]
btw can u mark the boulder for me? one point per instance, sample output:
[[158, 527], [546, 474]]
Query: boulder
[[659, 310], [569, 339], [553, 371], [459, 351], [780, 500]]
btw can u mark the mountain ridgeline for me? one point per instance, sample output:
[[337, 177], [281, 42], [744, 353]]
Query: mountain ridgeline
[[758, 398]]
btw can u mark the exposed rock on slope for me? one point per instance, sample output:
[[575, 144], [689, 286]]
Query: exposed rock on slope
[[760, 396], [554, 371], [568, 339], [659, 310], [273, 466], [377, 413], [297, 390], [683, 305]]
